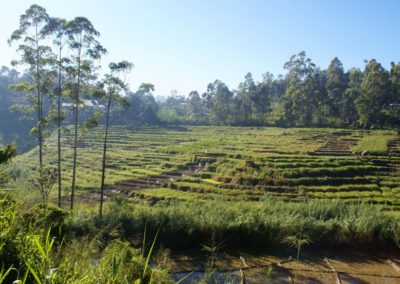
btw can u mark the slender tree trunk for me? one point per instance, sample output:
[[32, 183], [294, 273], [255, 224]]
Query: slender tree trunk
[[59, 130], [40, 135], [39, 107], [76, 112], [40, 126], [103, 168], [75, 154]]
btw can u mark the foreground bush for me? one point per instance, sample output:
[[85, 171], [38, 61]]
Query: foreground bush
[[34, 248], [49, 245]]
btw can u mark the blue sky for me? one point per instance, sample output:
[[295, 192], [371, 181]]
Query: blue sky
[[185, 44]]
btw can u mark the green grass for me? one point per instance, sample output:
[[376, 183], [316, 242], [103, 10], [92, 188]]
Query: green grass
[[235, 163], [267, 222], [375, 143]]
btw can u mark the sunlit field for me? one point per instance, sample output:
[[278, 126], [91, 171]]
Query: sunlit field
[[236, 164]]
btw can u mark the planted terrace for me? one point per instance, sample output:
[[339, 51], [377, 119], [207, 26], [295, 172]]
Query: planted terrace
[[237, 164]]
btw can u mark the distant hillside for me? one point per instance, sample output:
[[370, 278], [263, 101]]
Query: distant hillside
[[12, 129]]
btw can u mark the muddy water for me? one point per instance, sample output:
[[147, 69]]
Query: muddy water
[[327, 267], [207, 277]]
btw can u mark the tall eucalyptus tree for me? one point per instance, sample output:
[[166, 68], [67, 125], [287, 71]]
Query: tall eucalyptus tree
[[57, 29], [375, 95], [36, 57], [114, 88], [86, 51]]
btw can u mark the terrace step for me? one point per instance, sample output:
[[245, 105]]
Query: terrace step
[[139, 182], [339, 144], [341, 133], [210, 155], [276, 188], [328, 152], [270, 152], [394, 147]]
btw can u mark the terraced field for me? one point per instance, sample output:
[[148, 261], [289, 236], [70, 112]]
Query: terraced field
[[249, 189], [236, 164]]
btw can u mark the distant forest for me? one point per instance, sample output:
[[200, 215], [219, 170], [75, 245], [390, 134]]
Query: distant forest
[[55, 87], [306, 96]]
